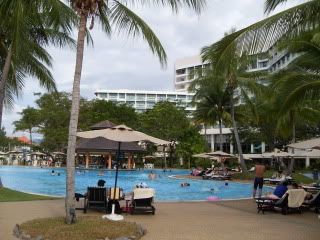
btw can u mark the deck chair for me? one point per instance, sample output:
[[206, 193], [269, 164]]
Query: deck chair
[[313, 203], [266, 204], [142, 200], [96, 198]]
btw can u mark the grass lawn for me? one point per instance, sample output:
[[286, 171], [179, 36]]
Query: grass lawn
[[8, 195], [297, 176], [89, 228]]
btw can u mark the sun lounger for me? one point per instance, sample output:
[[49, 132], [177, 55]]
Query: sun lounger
[[313, 203], [291, 200], [266, 204], [220, 177], [96, 198], [142, 200]]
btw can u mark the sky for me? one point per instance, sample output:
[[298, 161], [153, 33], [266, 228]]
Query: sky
[[120, 62]]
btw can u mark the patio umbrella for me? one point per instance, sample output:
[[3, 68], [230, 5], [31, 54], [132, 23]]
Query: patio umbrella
[[308, 144], [202, 155], [220, 156], [58, 153], [120, 133], [38, 153]]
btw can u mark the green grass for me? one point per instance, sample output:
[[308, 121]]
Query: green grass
[[8, 195], [298, 177], [89, 228]]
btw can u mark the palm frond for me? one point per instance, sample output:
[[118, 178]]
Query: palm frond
[[131, 24]]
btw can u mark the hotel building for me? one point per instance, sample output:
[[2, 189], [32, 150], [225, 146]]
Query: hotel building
[[144, 100]]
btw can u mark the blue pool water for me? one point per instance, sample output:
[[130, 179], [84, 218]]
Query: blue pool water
[[39, 180]]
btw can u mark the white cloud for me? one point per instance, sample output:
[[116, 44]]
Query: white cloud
[[121, 62]]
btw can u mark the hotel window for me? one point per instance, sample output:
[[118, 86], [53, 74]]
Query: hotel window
[[150, 104], [140, 105], [113, 95], [190, 97], [141, 97], [151, 97], [130, 103], [131, 96], [171, 97], [162, 97], [181, 97], [181, 71], [122, 95]]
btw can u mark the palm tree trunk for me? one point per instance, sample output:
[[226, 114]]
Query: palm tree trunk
[[236, 135], [220, 134], [4, 77], [291, 165], [70, 204]]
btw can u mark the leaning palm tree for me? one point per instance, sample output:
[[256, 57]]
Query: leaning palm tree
[[119, 15], [212, 101], [27, 27]]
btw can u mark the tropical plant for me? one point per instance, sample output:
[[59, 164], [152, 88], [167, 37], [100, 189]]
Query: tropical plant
[[117, 14], [212, 100], [26, 28], [29, 120]]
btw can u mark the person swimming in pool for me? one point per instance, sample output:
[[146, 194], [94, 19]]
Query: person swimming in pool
[[185, 184]]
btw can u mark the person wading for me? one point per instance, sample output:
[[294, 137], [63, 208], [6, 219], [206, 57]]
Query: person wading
[[258, 180]]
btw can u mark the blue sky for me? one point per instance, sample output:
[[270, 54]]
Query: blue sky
[[122, 63]]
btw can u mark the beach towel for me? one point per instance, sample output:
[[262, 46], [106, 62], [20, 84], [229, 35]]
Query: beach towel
[[142, 193], [115, 195], [296, 197]]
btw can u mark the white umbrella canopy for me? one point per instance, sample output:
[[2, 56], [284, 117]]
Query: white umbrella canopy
[[277, 154], [308, 144], [122, 133], [38, 153], [220, 154], [202, 155]]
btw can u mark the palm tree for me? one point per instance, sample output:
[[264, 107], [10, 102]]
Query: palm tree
[[212, 100], [300, 81], [26, 28], [117, 14]]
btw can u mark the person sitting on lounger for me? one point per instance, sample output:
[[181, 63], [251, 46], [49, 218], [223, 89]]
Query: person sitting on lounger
[[280, 190], [101, 183]]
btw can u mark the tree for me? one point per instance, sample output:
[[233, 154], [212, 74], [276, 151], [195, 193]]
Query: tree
[[54, 120], [26, 28], [109, 13], [166, 121], [30, 119], [92, 112], [212, 100]]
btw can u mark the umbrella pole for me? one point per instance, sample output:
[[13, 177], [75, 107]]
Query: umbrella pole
[[116, 180]]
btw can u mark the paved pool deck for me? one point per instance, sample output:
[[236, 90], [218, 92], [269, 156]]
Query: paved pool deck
[[186, 220]]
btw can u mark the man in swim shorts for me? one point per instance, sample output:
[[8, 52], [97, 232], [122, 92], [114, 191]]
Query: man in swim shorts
[[258, 180]]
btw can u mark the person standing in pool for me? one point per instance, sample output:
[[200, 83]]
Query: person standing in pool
[[258, 180]]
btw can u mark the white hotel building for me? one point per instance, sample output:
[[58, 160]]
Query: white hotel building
[[144, 100], [185, 68]]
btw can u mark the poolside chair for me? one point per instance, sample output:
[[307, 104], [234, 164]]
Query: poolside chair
[[313, 203], [292, 200], [114, 196], [266, 204], [142, 200], [96, 198]]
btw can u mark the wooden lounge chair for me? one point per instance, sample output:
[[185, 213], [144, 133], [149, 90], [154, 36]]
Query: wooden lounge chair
[[266, 204], [142, 201], [96, 198], [291, 200], [313, 203]]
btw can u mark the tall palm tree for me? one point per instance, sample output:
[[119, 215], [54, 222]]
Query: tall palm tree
[[110, 13], [212, 101], [26, 28], [300, 81]]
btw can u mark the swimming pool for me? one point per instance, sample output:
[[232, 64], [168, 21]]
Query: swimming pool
[[39, 180]]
